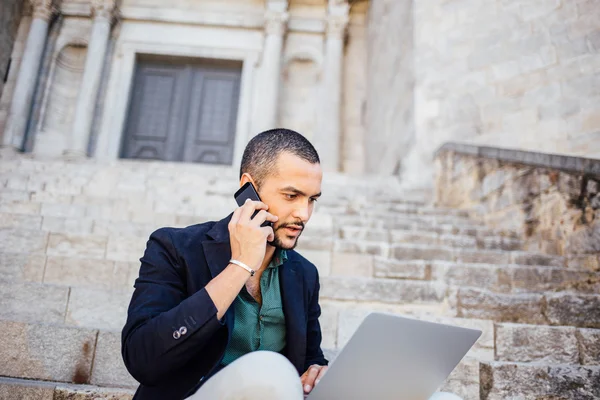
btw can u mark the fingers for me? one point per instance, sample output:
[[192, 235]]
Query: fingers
[[249, 207], [269, 234], [321, 373], [311, 376], [263, 216]]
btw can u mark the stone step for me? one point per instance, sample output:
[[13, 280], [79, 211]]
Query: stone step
[[61, 353], [45, 303], [20, 389], [382, 290], [547, 344], [505, 380], [425, 237], [557, 309], [498, 278]]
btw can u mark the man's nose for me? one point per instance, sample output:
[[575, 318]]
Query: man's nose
[[302, 212]]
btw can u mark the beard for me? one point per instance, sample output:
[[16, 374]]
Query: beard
[[278, 233]]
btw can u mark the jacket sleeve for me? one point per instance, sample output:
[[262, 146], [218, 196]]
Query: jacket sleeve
[[159, 307], [314, 354]]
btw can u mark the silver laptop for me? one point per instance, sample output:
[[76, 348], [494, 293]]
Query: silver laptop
[[392, 357]]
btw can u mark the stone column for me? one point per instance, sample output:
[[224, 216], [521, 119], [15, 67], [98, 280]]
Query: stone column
[[329, 142], [275, 27], [102, 12], [20, 110]]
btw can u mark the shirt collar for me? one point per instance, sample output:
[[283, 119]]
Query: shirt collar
[[279, 257]]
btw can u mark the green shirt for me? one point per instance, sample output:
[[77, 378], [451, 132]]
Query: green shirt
[[259, 327]]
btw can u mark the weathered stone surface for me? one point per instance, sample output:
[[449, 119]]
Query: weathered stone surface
[[360, 246], [387, 291], [464, 380], [109, 369], [575, 310], [22, 267], [77, 226], [101, 274], [20, 221], [389, 268], [589, 346], [32, 302], [83, 246], [22, 241], [352, 264], [524, 258], [20, 389], [481, 256], [420, 252], [69, 392], [476, 275], [47, 352], [527, 343], [329, 324], [501, 381], [100, 309], [321, 259], [525, 308]]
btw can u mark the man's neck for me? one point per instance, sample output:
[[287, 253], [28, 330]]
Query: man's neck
[[269, 253]]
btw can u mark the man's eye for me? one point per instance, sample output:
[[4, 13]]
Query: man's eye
[[290, 196], [313, 200]]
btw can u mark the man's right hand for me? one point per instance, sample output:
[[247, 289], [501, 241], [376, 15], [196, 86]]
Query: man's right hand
[[247, 238]]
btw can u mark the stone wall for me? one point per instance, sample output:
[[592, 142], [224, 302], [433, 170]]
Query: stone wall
[[511, 73], [552, 201], [390, 80], [10, 15]]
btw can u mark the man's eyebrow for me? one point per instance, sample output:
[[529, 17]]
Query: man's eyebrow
[[298, 191]]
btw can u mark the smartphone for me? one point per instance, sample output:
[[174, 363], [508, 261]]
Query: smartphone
[[249, 192]]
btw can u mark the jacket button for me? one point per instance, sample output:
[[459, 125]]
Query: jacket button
[[183, 330], [176, 335]]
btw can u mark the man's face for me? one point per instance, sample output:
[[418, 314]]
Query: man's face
[[291, 192]]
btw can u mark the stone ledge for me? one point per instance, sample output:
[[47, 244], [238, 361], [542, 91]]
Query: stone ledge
[[544, 160]]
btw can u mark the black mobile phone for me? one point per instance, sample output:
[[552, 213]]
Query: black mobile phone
[[247, 191]]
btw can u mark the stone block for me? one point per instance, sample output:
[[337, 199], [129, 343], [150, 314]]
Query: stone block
[[73, 226], [120, 228], [91, 393], [524, 258], [352, 264], [109, 369], [47, 352], [20, 389], [22, 241], [321, 259], [589, 346], [412, 237], [21, 207], [383, 290], [20, 221], [413, 269], [94, 273], [30, 302], [63, 210], [503, 380], [93, 308], [464, 380], [22, 267], [539, 279], [124, 248], [481, 256], [524, 308], [358, 233], [475, 275], [329, 324], [361, 247], [83, 246], [314, 243], [419, 252], [573, 309], [349, 320], [527, 343]]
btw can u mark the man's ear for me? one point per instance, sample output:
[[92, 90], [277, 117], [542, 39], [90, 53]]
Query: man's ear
[[246, 178]]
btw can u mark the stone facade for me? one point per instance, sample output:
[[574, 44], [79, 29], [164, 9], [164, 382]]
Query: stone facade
[[552, 201], [302, 68], [518, 74], [10, 15]]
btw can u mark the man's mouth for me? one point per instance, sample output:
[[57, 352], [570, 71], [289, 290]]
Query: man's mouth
[[293, 230]]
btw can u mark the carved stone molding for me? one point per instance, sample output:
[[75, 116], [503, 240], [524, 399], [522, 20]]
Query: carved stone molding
[[43, 9], [103, 9], [336, 26], [276, 22]]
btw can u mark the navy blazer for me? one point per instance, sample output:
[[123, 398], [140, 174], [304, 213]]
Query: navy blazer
[[169, 294]]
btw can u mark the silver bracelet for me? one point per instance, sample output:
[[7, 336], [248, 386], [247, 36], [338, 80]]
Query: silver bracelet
[[241, 264]]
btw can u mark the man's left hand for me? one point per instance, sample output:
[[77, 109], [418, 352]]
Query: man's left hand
[[312, 376]]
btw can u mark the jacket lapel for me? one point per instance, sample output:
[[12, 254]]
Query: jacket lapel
[[295, 320]]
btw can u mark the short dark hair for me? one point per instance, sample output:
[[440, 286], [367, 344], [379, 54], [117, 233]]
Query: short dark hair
[[263, 150]]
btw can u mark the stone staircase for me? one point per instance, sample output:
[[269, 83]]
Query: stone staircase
[[71, 235]]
